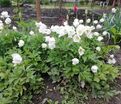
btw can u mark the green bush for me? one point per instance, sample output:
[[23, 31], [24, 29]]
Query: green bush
[[17, 83], [5, 3]]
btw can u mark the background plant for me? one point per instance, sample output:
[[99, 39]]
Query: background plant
[[5, 3], [113, 25]]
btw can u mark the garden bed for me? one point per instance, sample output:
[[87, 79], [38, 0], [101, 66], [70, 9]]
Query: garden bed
[[52, 93], [58, 58]]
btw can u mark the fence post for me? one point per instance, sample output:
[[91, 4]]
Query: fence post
[[38, 10]]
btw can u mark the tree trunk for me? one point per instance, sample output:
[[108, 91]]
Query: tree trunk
[[38, 10], [114, 2]]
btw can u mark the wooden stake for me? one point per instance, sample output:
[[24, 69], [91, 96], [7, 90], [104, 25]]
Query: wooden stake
[[38, 10]]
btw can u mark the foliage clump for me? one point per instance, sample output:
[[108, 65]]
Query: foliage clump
[[5, 3], [73, 54]]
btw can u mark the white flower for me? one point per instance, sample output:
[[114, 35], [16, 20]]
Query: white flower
[[88, 32], [114, 10], [65, 23], [55, 28], [1, 21], [76, 38], [43, 28], [81, 21], [82, 84], [111, 61], [81, 51], [89, 35], [70, 31], [51, 40], [62, 31], [41, 25], [93, 27], [4, 14], [94, 69], [21, 43], [95, 21], [17, 59], [47, 38], [8, 21], [98, 48], [100, 38], [75, 61], [14, 28], [44, 45], [88, 20], [31, 33], [98, 26], [105, 33], [76, 22], [51, 45], [47, 31], [102, 20], [96, 34], [80, 30], [112, 56]]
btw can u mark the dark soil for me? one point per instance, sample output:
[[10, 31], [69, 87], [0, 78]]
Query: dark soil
[[50, 16], [116, 99], [50, 92]]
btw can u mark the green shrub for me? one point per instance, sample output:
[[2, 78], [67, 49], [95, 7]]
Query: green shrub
[[5, 3], [17, 83]]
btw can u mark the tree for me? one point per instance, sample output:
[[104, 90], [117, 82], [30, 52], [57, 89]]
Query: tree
[[38, 10]]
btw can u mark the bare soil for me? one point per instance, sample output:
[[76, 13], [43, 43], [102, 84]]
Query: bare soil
[[49, 16]]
